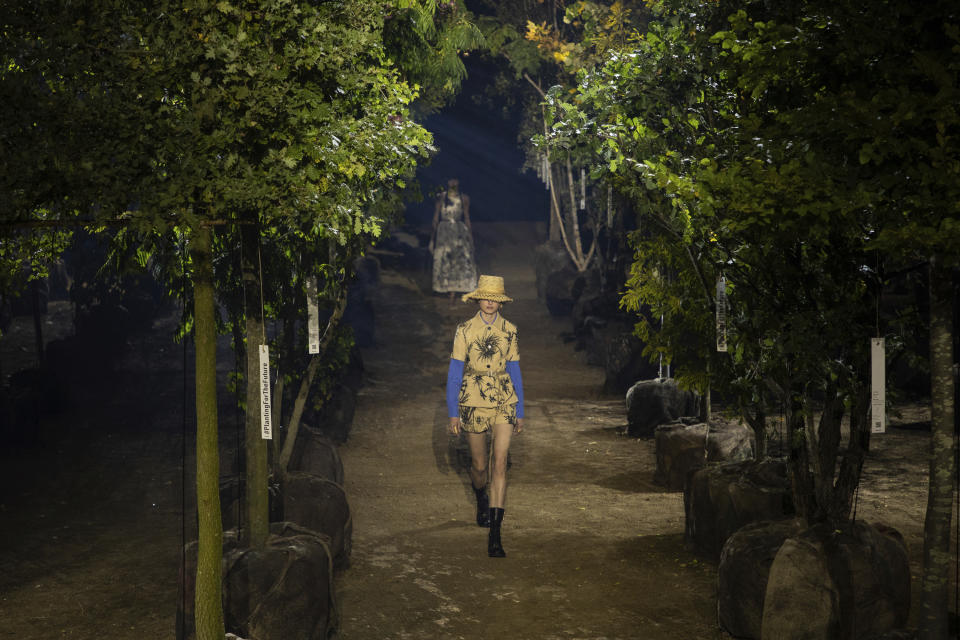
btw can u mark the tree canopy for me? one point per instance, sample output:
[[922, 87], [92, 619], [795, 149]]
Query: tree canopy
[[792, 151], [797, 154], [159, 122]]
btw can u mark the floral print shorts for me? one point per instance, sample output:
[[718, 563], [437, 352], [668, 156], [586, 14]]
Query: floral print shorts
[[481, 419]]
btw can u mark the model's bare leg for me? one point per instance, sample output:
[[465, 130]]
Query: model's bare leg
[[498, 464], [498, 487], [478, 475], [478, 459]]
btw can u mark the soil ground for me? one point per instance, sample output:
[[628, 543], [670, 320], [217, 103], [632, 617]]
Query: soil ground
[[92, 506]]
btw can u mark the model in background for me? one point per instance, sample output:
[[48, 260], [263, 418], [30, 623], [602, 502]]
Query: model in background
[[454, 258]]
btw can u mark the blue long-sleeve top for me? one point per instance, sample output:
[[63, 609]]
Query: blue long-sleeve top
[[455, 378]]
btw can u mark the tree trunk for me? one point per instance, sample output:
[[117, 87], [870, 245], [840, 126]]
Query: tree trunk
[[852, 465], [936, 528], [706, 410], [298, 405], [574, 218], [256, 495], [208, 603], [554, 229], [553, 217], [706, 403], [825, 455], [758, 422], [798, 462], [287, 357]]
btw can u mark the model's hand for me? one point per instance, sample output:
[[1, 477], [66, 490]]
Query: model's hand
[[454, 427], [518, 427]]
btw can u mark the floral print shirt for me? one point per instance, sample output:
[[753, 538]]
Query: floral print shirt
[[485, 350]]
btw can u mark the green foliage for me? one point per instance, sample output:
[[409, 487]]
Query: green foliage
[[335, 358], [290, 111], [799, 149], [426, 41], [749, 137], [545, 45], [63, 71], [170, 119], [27, 254]]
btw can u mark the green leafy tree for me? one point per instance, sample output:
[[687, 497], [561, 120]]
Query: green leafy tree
[[885, 97], [288, 112], [54, 115], [283, 116], [426, 41], [545, 45], [737, 129]]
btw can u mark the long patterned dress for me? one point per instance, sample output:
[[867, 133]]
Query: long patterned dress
[[454, 265]]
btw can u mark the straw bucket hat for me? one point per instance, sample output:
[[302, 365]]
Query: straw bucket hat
[[488, 288]]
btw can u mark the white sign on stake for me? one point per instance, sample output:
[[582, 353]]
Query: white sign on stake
[[583, 188], [878, 386], [313, 320], [266, 423], [721, 313]]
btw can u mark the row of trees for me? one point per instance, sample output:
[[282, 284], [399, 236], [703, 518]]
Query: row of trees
[[800, 154], [242, 151]]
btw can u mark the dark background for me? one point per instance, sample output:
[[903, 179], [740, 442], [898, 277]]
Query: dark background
[[480, 146]]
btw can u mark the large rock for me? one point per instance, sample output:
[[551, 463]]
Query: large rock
[[682, 448], [320, 505], [332, 415], [624, 362], [837, 584], [232, 510], [743, 571], [549, 257], [280, 592], [801, 600], [659, 401], [313, 499], [351, 374], [556, 276], [593, 304], [721, 498], [316, 454], [586, 291], [604, 332], [558, 297], [335, 417], [609, 342]]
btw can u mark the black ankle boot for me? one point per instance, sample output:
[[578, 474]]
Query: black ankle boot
[[494, 546], [483, 507]]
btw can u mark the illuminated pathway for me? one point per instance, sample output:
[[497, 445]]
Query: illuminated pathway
[[594, 549]]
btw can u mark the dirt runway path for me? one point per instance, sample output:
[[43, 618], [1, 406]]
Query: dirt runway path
[[594, 549], [94, 509]]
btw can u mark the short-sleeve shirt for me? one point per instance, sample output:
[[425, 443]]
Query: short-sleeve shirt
[[485, 350]]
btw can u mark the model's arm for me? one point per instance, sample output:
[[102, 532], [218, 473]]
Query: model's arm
[[513, 368], [454, 380]]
